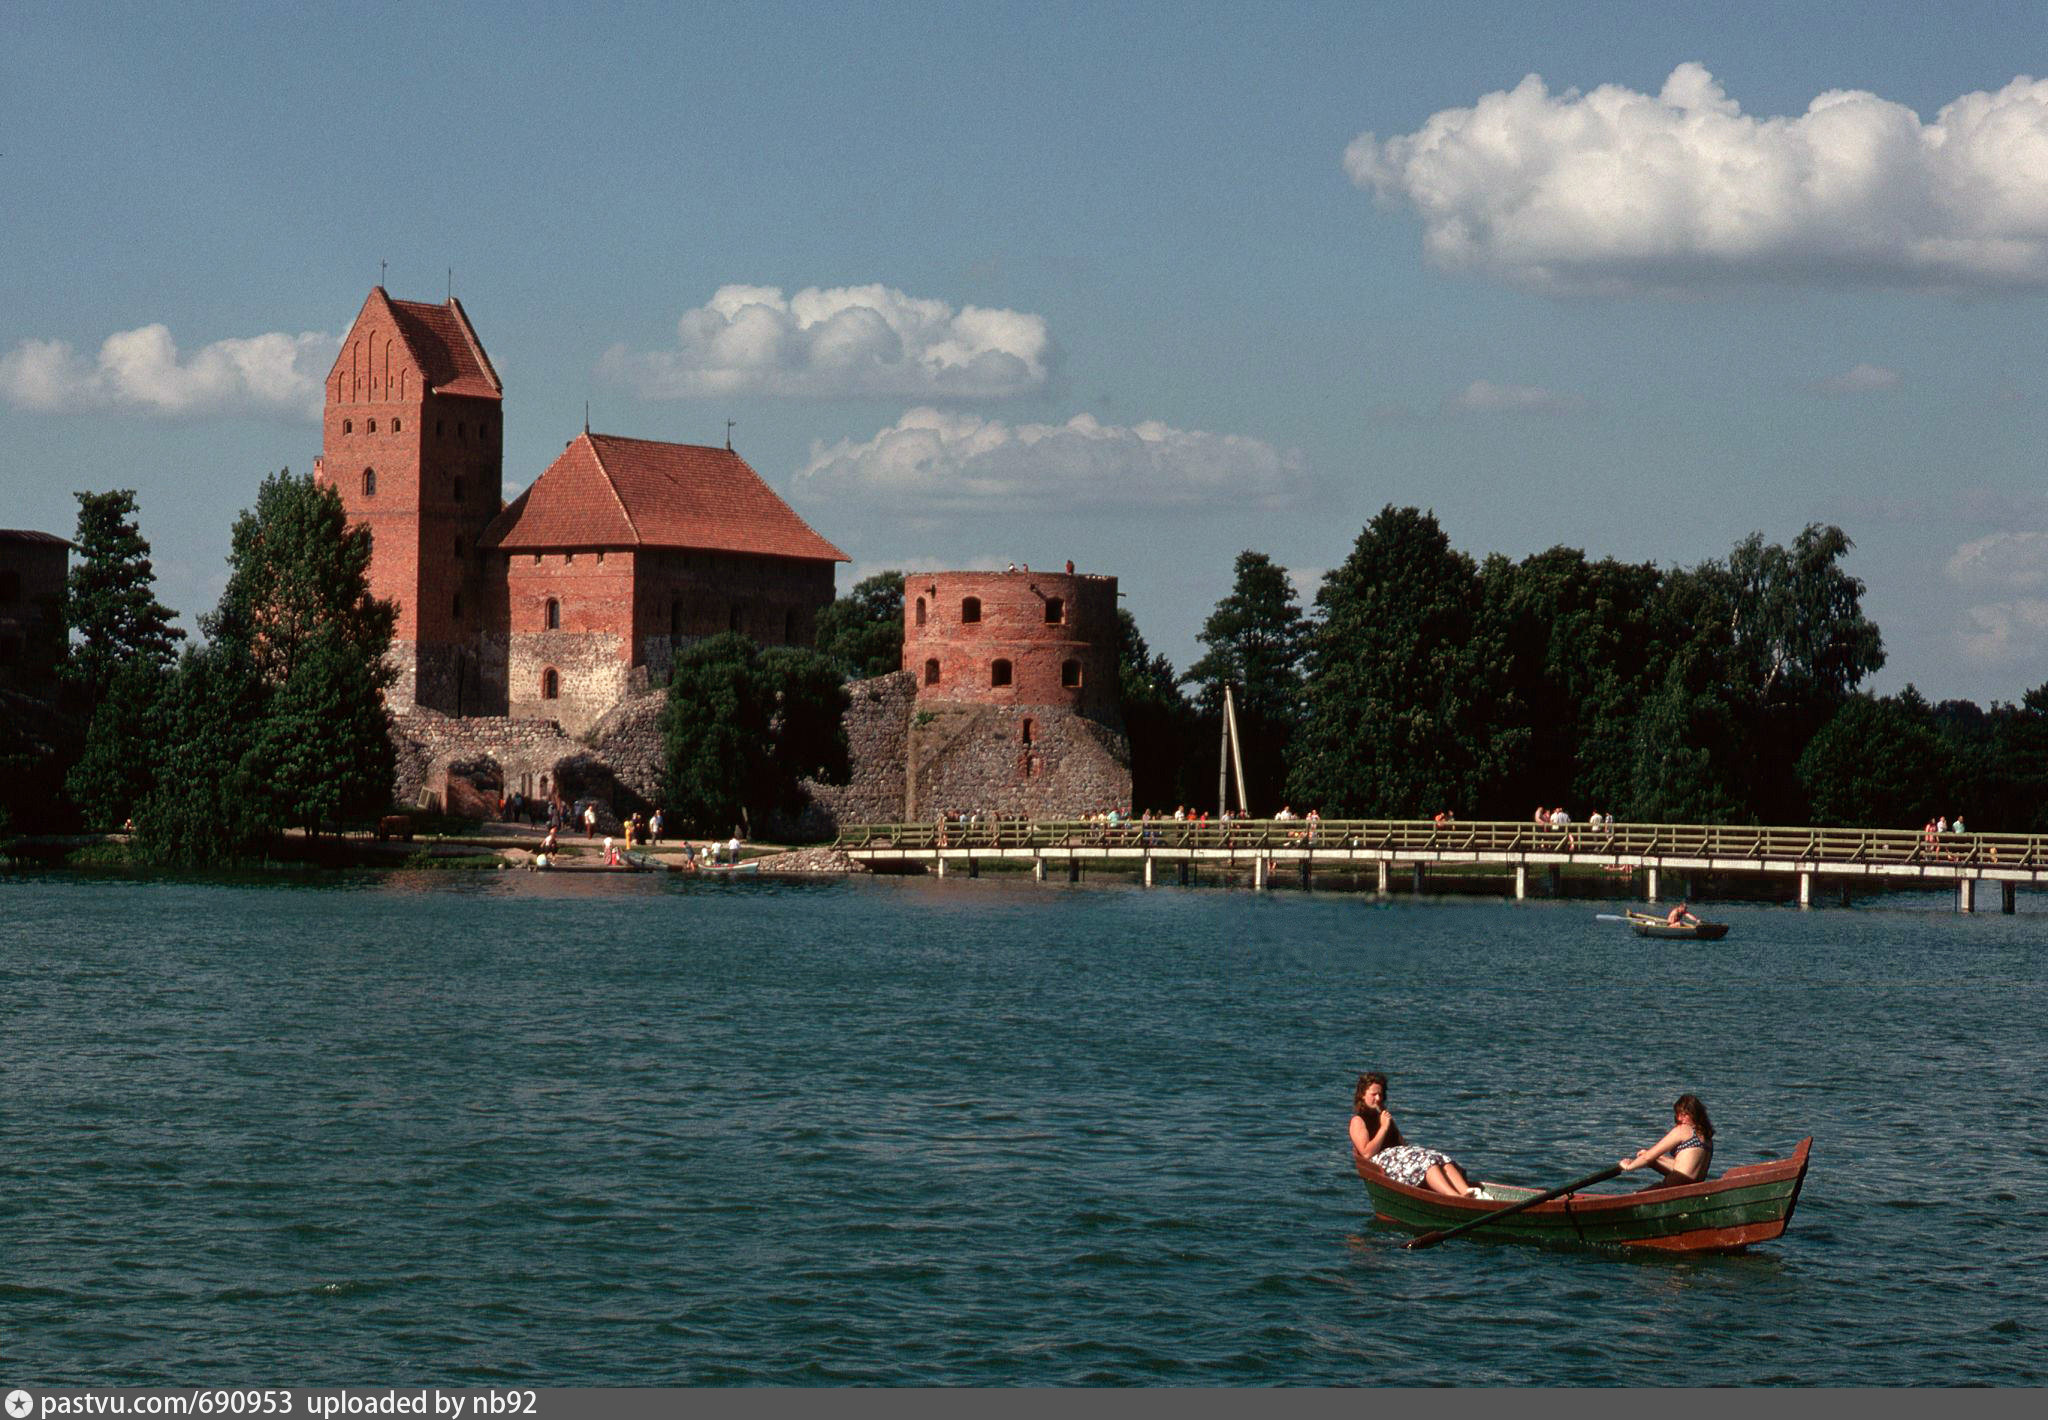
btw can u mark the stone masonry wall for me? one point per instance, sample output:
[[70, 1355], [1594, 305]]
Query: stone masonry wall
[[976, 759], [877, 723]]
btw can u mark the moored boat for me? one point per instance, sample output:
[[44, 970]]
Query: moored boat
[[1745, 1205], [1647, 925]]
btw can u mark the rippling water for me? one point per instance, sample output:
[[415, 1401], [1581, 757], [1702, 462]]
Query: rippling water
[[579, 1130]]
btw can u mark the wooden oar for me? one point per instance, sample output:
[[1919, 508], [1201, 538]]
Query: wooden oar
[[1610, 917], [1432, 1239]]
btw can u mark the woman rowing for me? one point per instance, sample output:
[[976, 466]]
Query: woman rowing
[[1376, 1138], [1682, 1156]]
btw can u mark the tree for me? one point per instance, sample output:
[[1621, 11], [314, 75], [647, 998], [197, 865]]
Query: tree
[[1879, 763], [741, 728], [124, 744], [207, 806], [1157, 718], [1256, 638], [862, 632], [110, 599], [1401, 695]]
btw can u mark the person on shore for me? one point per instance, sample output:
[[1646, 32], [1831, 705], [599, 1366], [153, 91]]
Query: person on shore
[[654, 828], [1377, 1139], [1684, 1154], [590, 820], [1681, 916]]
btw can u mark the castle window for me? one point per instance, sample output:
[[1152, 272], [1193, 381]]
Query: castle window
[[348, 426], [458, 490], [1027, 731], [550, 684], [372, 426], [568, 558], [999, 673], [461, 430], [1070, 674], [600, 557], [553, 616], [1055, 611], [920, 611], [398, 426], [931, 672], [970, 609], [369, 483]]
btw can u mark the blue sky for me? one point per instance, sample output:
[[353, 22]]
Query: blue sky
[[1137, 286]]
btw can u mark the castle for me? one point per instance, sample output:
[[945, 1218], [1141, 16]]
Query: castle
[[530, 636], [561, 604]]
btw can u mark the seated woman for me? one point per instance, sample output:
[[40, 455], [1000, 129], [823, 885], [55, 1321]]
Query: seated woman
[[1682, 1156], [1375, 1137]]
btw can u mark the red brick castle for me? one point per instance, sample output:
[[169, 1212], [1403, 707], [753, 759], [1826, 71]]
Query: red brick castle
[[580, 591]]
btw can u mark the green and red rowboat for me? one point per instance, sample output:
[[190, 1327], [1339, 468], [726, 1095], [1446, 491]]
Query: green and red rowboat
[[1745, 1205], [1648, 926]]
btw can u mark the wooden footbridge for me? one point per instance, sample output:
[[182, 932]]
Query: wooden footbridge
[[1817, 859]]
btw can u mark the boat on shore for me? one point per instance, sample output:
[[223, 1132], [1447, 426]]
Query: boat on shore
[[1648, 925], [1749, 1204]]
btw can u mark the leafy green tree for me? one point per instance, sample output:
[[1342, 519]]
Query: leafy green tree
[[862, 632], [1879, 763], [124, 744], [1157, 718], [208, 805], [110, 597], [1402, 697], [741, 727], [1256, 639], [1687, 755]]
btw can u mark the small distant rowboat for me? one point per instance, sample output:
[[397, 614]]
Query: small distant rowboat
[[1649, 926], [1745, 1205]]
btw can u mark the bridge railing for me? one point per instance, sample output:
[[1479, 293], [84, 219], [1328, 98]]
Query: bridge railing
[[1619, 841]]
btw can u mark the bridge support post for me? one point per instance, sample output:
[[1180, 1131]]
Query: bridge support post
[[1845, 892], [1148, 883], [942, 864], [1553, 881], [1385, 885], [1259, 874], [1521, 882], [1650, 885], [973, 866], [1805, 894], [1966, 894], [1038, 868], [1419, 880], [2008, 898], [1073, 870], [1304, 875], [1183, 872]]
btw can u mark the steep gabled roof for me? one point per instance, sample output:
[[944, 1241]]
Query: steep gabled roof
[[441, 341], [608, 491], [34, 538]]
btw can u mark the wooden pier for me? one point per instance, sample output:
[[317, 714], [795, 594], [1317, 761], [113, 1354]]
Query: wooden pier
[[1836, 860]]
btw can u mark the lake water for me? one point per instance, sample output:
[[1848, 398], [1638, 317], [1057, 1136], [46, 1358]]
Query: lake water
[[508, 1129]]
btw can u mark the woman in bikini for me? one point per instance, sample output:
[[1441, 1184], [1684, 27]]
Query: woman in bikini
[[1682, 1156], [1375, 1137]]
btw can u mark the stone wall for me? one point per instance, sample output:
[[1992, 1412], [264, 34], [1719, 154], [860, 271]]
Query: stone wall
[[878, 715], [1035, 762], [465, 764]]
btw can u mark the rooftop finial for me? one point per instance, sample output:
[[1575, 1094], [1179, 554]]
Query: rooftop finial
[[380, 271], [586, 416], [451, 285], [730, 425]]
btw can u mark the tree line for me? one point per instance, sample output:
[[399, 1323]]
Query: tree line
[[1420, 680]]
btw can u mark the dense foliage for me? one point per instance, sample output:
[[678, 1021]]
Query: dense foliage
[[1256, 638], [862, 632], [742, 726]]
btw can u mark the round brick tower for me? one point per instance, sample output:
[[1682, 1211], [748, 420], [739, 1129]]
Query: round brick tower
[[1019, 638]]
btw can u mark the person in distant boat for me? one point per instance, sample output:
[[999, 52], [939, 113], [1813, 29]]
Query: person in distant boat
[[1681, 916], [1682, 1156], [1375, 1137]]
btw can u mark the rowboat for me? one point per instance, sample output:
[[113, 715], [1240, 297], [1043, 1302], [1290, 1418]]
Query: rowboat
[[1749, 1204], [1647, 925]]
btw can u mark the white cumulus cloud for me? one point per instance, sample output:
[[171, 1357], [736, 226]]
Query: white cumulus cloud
[[2012, 568], [849, 341], [2007, 633], [2002, 562], [1679, 192], [931, 459], [1486, 397], [142, 369], [1863, 379]]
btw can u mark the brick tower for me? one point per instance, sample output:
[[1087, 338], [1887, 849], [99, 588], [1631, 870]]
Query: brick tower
[[413, 438]]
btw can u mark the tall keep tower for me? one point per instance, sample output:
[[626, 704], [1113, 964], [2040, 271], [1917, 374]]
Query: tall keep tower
[[413, 438]]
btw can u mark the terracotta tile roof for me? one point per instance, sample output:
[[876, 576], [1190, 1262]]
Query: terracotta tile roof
[[445, 344], [607, 491]]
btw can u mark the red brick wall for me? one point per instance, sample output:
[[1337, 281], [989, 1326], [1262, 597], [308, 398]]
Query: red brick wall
[[1013, 627], [680, 597], [439, 464], [590, 651]]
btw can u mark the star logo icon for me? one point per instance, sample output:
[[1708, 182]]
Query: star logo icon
[[19, 1404]]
